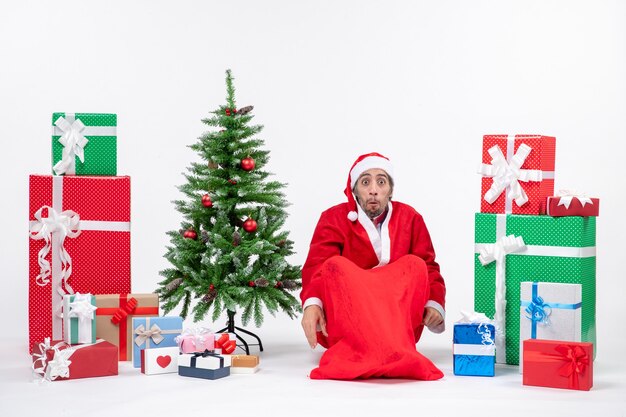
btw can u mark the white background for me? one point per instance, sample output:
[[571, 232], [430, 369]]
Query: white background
[[419, 81]]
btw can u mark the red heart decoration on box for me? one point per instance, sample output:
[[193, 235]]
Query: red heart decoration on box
[[163, 361]]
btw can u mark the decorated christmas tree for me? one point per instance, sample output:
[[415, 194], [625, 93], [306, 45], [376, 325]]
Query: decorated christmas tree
[[230, 254]]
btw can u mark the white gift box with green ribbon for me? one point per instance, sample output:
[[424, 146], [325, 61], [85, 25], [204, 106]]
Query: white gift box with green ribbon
[[79, 318]]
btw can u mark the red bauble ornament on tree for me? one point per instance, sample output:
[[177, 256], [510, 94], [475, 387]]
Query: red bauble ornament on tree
[[206, 201], [250, 225], [247, 164], [279, 284], [211, 287], [232, 181], [227, 111], [251, 284], [190, 234]]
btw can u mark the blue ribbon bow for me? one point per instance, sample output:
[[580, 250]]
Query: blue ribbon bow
[[538, 311]]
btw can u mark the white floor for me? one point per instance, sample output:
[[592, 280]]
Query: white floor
[[282, 388]]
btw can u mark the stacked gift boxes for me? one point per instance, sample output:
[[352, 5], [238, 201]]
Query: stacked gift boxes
[[517, 242], [207, 355], [114, 318], [80, 246]]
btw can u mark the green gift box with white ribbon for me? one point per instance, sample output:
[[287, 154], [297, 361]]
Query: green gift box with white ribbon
[[84, 144], [512, 248]]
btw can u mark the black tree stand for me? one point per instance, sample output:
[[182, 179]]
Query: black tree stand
[[230, 328]]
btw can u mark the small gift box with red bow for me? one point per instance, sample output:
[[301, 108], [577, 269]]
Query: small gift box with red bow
[[570, 203], [79, 318], [84, 143], [193, 340], [558, 364], [159, 360], [56, 360], [206, 365], [153, 332], [114, 318], [225, 343], [518, 173]]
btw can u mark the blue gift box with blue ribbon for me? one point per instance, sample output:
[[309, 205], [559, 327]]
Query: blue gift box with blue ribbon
[[474, 349], [550, 311]]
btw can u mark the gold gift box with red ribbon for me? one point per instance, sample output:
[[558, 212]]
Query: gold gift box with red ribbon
[[114, 317]]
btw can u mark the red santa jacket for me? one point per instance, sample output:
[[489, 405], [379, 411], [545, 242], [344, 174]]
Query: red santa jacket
[[402, 232]]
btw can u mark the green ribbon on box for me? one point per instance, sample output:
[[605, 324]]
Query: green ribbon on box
[[79, 318], [557, 249], [84, 144]]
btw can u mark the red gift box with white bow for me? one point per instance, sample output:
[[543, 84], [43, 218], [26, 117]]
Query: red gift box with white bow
[[569, 203], [558, 364], [79, 242], [57, 360], [518, 173]]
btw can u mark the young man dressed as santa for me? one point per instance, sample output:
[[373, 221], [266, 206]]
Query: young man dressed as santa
[[371, 283]]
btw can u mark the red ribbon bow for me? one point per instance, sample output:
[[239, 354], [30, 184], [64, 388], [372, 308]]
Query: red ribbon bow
[[228, 346], [576, 360], [123, 312]]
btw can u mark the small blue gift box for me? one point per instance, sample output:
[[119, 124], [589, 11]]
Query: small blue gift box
[[151, 332], [474, 349], [205, 365]]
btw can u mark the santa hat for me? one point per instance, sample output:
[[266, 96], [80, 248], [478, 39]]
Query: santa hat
[[362, 164]]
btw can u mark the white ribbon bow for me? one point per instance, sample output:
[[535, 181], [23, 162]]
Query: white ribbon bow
[[73, 142], [41, 357], [497, 252], [473, 318], [58, 367], [568, 195], [198, 336], [65, 224], [481, 319], [144, 334], [82, 308], [508, 175]]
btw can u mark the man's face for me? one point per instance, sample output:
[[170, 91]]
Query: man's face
[[373, 191]]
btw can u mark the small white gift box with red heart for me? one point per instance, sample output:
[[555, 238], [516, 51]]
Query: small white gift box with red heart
[[159, 360]]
